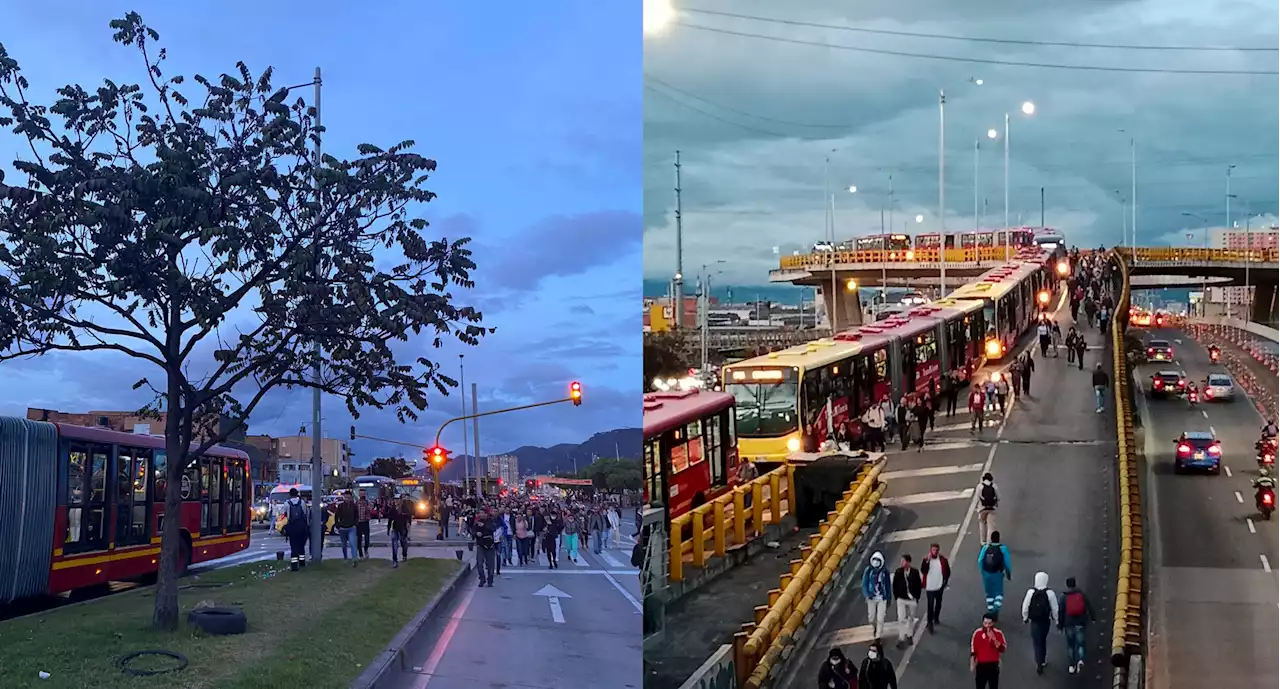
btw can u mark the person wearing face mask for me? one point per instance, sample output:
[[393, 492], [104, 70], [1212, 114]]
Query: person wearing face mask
[[876, 671], [878, 591], [838, 672], [985, 648]]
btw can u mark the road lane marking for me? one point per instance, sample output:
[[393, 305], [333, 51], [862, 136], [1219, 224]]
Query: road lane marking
[[935, 496], [1205, 413], [1239, 499], [928, 447], [968, 515], [626, 594], [609, 560], [931, 471], [553, 596], [1227, 469], [1266, 564], [1211, 430], [446, 637], [860, 635], [1252, 528], [920, 533]]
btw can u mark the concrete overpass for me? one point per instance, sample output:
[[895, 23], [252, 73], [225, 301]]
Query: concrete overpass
[[1176, 266]]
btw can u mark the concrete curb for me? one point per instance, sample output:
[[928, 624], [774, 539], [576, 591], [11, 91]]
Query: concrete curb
[[384, 664]]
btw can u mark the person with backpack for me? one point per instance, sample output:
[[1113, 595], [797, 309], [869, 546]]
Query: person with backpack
[[1040, 609], [1076, 614], [838, 672], [877, 591], [988, 498], [996, 567], [876, 671], [297, 528]]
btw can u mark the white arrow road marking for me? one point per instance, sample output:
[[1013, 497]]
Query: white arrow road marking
[[553, 596]]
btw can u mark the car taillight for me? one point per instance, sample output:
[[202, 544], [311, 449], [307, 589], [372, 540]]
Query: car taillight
[[1151, 350], [1157, 383], [1267, 498], [1159, 321], [1215, 449], [1184, 448], [1208, 393], [1182, 383]]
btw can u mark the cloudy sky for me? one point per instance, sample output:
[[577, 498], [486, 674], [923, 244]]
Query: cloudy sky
[[533, 115], [755, 117]]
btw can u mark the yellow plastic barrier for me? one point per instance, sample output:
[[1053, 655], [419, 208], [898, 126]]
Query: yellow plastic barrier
[[997, 253], [710, 530], [1126, 627], [759, 645], [1173, 253]]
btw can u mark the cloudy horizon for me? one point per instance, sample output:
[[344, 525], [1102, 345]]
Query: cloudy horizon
[[756, 108]]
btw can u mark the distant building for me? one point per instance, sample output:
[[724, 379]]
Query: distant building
[[505, 467], [294, 453], [1267, 238]]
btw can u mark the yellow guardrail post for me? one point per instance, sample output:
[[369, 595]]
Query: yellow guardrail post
[[1127, 618], [740, 515], [675, 552], [775, 498], [718, 534]]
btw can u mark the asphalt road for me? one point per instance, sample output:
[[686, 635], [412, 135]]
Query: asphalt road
[[1214, 599], [1053, 462], [577, 627]]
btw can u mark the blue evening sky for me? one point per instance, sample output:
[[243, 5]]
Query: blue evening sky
[[533, 114]]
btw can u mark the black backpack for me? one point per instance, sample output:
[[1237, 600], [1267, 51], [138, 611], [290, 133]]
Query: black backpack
[[297, 518], [1038, 609], [993, 559], [987, 496]]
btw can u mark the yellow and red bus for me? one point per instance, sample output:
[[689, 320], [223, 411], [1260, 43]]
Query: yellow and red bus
[[85, 506], [690, 448]]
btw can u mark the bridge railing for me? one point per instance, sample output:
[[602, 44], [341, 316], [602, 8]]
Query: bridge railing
[[1126, 627], [759, 647], [905, 257], [711, 529], [1181, 254]]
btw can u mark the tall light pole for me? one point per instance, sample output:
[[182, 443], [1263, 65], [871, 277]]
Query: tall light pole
[[1124, 217], [466, 463], [977, 257], [884, 269], [942, 186], [1028, 108], [1247, 299], [829, 233], [1204, 284], [704, 286]]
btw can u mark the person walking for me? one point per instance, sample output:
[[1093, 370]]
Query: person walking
[[485, 532], [1070, 343], [988, 500], [977, 409], [297, 528], [1081, 347], [1040, 610], [1075, 612], [572, 526], [398, 513], [985, 649], [596, 525], [1002, 390], [877, 590], [345, 518], [1014, 375], [508, 535], [953, 394], [904, 423], [945, 404], [876, 671], [444, 514], [364, 512], [1044, 332], [874, 420], [747, 472], [1100, 384], [907, 586], [919, 421], [996, 568], [522, 535], [935, 573], [1028, 367], [838, 672]]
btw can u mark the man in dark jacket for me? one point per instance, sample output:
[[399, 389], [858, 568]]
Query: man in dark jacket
[[344, 519], [485, 532], [838, 672], [907, 586], [399, 514], [1075, 612], [935, 573], [297, 528], [876, 671]]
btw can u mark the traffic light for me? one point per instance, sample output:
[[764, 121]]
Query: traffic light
[[437, 457], [353, 432], [575, 393]]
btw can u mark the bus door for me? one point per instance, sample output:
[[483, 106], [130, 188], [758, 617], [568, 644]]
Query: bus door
[[906, 365], [235, 495], [211, 483], [133, 496], [87, 516], [655, 474]]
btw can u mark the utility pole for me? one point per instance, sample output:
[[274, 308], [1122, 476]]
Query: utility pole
[[1228, 229], [317, 440], [976, 147], [1042, 208], [942, 194], [475, 429], [462, 392], [678, 296]]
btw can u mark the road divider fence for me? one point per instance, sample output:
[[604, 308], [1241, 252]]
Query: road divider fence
[[1126, 627], [764, 643]]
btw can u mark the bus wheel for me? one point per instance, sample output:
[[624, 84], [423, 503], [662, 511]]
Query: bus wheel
[[184, 558]]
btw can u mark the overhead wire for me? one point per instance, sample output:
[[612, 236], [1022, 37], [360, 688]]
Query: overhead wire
[[979, 60], [978, 39], [744, 113]]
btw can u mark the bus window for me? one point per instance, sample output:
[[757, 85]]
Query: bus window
[[926, 347], [653, 472], [158, 469], [132, 501], [715, 447], [693, 432], [765, 409]]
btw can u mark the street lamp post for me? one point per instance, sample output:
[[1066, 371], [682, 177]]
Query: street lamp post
[[1028, 108], [942, 186], [705, 288], [1228, 226], [1204, 284]]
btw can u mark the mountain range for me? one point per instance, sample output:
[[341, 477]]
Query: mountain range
[[534, 460]]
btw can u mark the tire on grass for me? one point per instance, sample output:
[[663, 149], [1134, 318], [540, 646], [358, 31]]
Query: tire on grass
[[219, 621]]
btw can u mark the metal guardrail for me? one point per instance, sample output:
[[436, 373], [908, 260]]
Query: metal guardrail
[[709, 529], [1261, 393], [1126, 626], [758, 648]]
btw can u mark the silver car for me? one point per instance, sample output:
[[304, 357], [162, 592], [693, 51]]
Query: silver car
[[1218, 387]]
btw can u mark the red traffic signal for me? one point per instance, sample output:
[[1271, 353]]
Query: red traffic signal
[[575, 392], [437, 456]]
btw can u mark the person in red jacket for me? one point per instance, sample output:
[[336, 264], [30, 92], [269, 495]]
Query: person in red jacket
[[985, 650], [936, 572]]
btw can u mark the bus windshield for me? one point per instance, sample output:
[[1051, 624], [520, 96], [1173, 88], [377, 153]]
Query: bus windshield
[[764, 410]]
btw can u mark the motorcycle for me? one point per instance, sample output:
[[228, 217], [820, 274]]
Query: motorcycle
[[1214, 353], [1266, 501], [1266, 458], [1192, 398]]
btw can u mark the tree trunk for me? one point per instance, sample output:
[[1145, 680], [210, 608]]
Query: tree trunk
[[165, 614]]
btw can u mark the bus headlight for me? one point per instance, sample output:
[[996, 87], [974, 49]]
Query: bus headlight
[[793, 444], [422, 506], [993, 348]]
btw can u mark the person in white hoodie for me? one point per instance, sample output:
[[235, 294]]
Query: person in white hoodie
[[1040, 610]]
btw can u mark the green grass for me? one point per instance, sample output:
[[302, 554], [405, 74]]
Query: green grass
[[317, 628]]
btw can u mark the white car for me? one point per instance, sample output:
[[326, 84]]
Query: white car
[[1218, 386]]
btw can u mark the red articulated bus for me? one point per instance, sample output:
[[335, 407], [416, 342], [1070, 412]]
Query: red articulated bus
[[84, 506], [690, 448]]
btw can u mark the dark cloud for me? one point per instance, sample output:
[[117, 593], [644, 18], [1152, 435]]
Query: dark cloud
[[582, 309], [755, 119], [563, 246]]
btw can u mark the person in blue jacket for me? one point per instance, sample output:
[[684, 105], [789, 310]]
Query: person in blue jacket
[[996, 568], [877, 590]]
